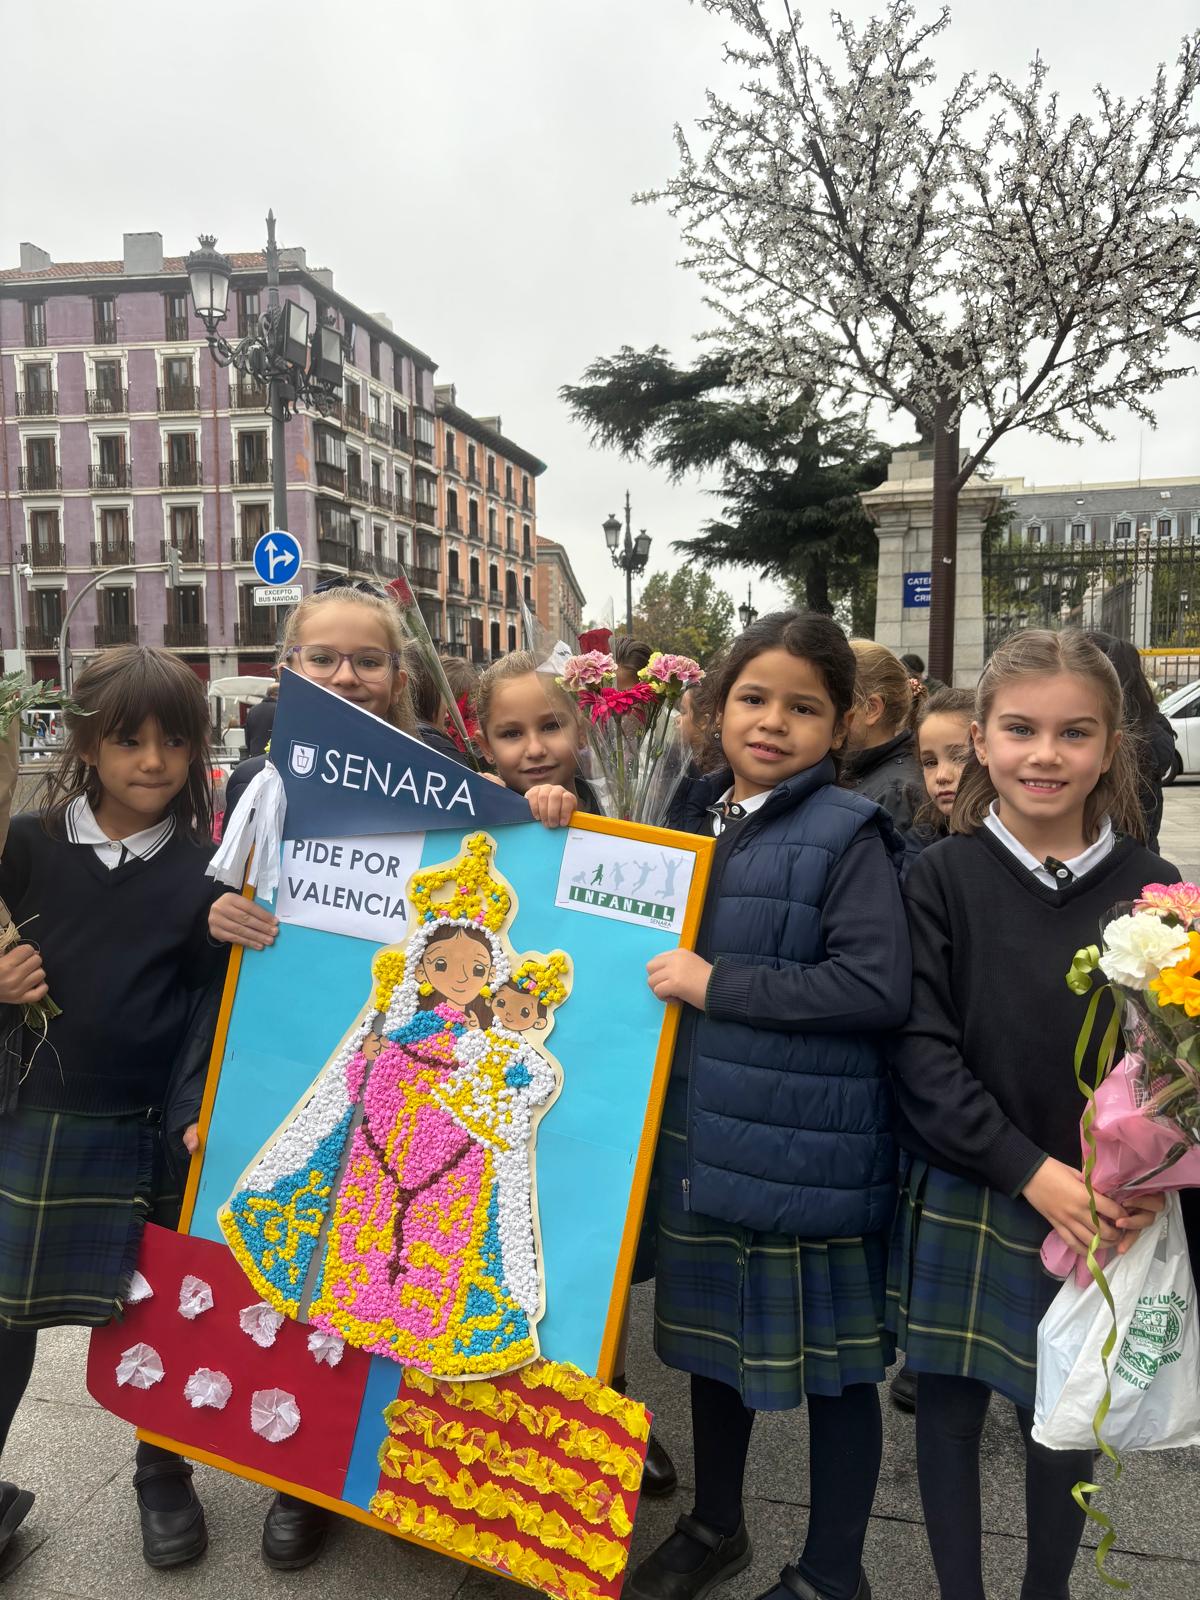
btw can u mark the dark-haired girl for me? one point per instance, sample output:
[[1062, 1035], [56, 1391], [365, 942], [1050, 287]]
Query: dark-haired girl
[[776, 1166], [110, 883]]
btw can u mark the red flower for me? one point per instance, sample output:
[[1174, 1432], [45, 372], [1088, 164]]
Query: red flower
[[470, 722], [601, 704]]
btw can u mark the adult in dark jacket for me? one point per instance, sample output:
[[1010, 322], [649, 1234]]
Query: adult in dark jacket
[[881, 760], [1153, 734], [260, 719], [776, 1165]]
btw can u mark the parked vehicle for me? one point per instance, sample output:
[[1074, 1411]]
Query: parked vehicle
[[1182, 710]]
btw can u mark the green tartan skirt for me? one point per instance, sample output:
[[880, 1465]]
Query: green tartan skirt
[[773, 1316], [75, 1194], [966, 1285]]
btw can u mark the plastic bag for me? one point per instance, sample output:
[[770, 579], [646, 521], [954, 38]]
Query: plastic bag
[[1155, 1366]]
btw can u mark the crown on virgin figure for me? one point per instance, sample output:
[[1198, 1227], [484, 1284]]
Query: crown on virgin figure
[[545, 980], [466, 890]]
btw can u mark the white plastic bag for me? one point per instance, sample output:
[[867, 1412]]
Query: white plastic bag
[[1155, 1365]]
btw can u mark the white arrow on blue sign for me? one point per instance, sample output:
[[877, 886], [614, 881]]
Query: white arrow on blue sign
[[277, 556]]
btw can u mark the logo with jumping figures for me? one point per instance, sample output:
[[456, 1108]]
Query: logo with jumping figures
[[303, 758], [1153, 1338]]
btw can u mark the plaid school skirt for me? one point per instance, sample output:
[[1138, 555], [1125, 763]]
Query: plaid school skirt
[[75, 1194], [773, 1316], [966, 1286]]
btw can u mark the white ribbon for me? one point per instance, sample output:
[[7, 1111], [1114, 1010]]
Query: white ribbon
[[257, 825]]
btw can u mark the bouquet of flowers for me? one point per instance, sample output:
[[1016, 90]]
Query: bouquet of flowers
[[628, 731], [1141, 1127]]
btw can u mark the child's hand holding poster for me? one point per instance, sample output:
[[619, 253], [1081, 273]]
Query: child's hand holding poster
[[427, 1137]]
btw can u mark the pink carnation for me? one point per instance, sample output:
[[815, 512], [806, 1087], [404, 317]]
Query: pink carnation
[[670, 671], [584, 672], [1180, 900]]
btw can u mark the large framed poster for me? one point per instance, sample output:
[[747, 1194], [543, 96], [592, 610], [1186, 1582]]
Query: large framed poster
[[401, 1276]]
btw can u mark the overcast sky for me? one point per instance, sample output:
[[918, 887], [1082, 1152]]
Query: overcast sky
[[467, 167]]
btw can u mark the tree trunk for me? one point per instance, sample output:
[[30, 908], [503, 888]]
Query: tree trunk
[[944, 553], [816, 588]]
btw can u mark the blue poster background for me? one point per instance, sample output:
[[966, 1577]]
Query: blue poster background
[[295, 1001]]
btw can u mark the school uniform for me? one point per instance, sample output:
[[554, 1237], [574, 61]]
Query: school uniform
[[985, 1089], [890, 774], [122, 929]]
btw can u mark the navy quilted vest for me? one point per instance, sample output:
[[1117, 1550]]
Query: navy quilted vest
[[787, 1132]]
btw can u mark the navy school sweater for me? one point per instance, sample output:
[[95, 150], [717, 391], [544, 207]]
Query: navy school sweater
[[125, 952], [984, 1066]]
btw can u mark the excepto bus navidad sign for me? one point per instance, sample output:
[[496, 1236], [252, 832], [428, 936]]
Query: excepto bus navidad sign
[[286, 594]]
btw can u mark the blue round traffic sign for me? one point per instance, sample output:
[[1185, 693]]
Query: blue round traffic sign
[[277, 557]]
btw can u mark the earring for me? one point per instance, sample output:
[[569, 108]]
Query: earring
[[716, 735], [425, 989]]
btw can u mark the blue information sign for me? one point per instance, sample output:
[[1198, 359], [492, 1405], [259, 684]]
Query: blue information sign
[[917, 586], [277, 557]]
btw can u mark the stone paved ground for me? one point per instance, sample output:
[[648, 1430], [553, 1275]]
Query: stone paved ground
[[81, 1540]]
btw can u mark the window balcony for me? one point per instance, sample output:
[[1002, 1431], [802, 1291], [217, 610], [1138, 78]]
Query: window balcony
[[509, 497], [353, 418], [495, 598], [402, 505], [454, 586], [423, 449], [247, 323], [331, 476], [112, 552], [526, 503], [451, 463], [39, 480], [241, 548], [185, 635], [179, 397], [177, 327], [258, 633], [44, 553], [402, 440], [38, 637], [382, 431], [453, 525], [425, 577], [474, 533], [180, 474], [359, 490], [472, 475], [332, 553], [476, 591], [107, 402], [425, 511], [190, 547], [118, 477], [244, 473], [381, 497], [492, 486], [35, 336], [40, 403], [374, 566], [104, 333], [111, 633], [248, 397]]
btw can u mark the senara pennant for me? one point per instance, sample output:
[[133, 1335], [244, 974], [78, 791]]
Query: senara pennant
[[346, 772]]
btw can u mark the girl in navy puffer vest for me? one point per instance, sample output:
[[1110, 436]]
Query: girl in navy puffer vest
[[776, 1166]]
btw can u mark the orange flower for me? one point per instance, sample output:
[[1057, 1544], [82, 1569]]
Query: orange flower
[[1180, 985]]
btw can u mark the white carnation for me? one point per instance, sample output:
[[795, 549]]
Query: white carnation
[[1137, 948]]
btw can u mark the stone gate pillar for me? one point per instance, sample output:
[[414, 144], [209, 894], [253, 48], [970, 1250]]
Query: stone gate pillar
[[902, 511]]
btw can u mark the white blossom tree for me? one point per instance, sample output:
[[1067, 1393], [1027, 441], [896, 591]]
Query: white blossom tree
[[990, 253]]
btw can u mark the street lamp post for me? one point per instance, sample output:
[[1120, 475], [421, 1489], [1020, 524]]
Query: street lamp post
[[277, 353], [746, 612], [631, 557]]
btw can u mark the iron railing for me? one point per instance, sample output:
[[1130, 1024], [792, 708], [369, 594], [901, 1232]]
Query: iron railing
[[180, 474], [39, 480], [43, 553], [179, 397], [185, 635], [38, 403], [107, 402], [109, 633], [249, 472], [112, 552], [118, 477]]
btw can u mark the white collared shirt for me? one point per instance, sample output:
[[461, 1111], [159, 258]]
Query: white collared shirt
[[744, 807], [1077, 866], [82, 828]]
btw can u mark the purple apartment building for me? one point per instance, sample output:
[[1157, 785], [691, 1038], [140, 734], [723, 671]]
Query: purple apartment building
[[122, 436]]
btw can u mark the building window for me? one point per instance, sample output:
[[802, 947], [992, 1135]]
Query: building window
[[495, 638], [375, 358], [253, 465], [512, 637], [473, 519], [35, 323], [248, 312], [491, 469], [525, 500], [47, 611], [177, 315], [1034, 533], [1165, 527], [333, 522], [114, 536], [178, 392], [1123, 529], [472, 464], [45, 540], [112, 469], [452, 522], [1079, 533], [108, 397], [508, 483], [400, 427], [424, 433], [256, 520], [452, 566], [104, 319], [527, 586], [182, 467], [526, 542], [40, 472], [476, 591], [185, 533], [491, 524]]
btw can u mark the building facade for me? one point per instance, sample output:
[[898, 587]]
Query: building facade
[[122, 436], [1161, 510], [560, 599]]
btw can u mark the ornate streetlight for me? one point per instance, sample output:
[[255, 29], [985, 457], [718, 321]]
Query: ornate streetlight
[[631, 557], [278, 353], [746, 612]]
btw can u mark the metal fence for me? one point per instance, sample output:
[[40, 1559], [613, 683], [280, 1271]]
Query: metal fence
[[1147, 592]]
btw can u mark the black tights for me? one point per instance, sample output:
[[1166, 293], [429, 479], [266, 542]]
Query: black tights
[[950, 1418], [17, 1350], [845, 1446]]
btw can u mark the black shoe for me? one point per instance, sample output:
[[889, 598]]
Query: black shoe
[[294, 1533], [169, 1538], [659, 1477], [903, 1390], [794, 1584], [15, 1506], [727, 1554]]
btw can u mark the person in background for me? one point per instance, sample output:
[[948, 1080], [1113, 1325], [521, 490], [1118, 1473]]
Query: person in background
[[462, 678], [260, 719], [1045, 839], [427, 703], [881, 762], [916, 669], [630, 655], [1153, 738]]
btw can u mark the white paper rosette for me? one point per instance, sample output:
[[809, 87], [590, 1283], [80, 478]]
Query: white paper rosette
[[140, 1366], [208, 1388], [326, 1347], [274, 1414], [195, 1297], [262, 1322], [139, 1290]]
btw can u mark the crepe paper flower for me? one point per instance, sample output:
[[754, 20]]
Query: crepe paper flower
[[195, 1297], [327, 1348], [671, 674], [587, 671], [208, 1388], [1137, 948], [1180, 900], [140, 1367], [274, 1414], [262, 1322], [139, 1290]]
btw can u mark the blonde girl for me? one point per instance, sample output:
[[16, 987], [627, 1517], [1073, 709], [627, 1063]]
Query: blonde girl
[[529, 729], [881, 753]]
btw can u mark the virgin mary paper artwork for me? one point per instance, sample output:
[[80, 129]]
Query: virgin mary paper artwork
[[396, 1208]]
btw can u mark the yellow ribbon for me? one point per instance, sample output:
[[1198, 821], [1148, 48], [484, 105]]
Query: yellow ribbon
[[1083, 964]]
